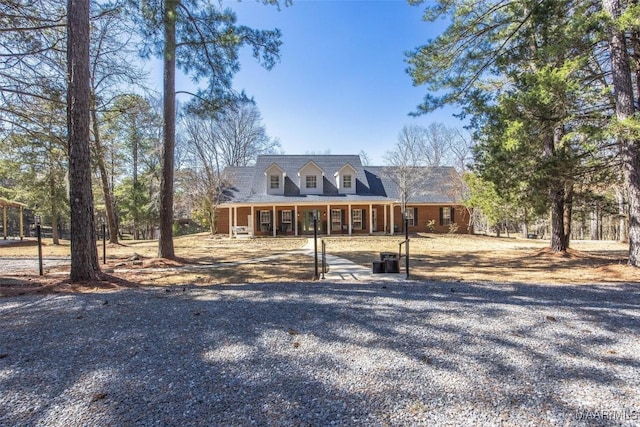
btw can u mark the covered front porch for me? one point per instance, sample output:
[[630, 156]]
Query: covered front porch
[[331, 219]]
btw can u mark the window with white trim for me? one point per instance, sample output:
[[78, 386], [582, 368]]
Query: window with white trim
[[411, 217], [311, 181], [287, 220], [446, 216], [357, 219], [336, 219], [265, 221], [346, 181], [275, 182]]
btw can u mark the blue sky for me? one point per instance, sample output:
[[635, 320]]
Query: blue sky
[[340, 86]]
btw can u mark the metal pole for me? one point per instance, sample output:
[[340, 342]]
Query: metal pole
[[39, 235], [315, 244], [104, 243], [324, 258], [406, 236]]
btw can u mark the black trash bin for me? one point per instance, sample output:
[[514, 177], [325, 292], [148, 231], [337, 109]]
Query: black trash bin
[[388, 255], [378, 267], [391, 265]]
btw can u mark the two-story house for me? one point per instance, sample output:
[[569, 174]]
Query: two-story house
[[282, 194]]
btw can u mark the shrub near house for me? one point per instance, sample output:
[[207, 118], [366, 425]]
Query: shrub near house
[[282, 194]]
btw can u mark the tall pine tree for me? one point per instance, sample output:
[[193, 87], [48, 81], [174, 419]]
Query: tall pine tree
[[202, 40]]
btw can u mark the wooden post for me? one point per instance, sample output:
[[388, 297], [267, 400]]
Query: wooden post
[[274, 221], [21, 223], [4, 222]]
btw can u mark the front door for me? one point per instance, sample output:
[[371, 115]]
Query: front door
[[307, 221]]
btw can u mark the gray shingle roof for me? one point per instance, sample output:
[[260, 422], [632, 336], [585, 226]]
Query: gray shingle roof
[[373, 183]]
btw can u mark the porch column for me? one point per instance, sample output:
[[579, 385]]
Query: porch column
[[295, 220], [349, 218], [252, 222], [370, 219], [391, 226], [275, 221], [385, 219], [21, 224], [328, 220], [230, 221], [235, 216]]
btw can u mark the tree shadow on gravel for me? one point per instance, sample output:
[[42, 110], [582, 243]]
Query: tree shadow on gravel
[[316, 353]]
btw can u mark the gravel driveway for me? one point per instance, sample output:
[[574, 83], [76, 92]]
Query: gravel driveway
[[323, 354], [13, 265]]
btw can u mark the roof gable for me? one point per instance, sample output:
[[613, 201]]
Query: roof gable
[[274, 168], [310, 166], [345, 169]]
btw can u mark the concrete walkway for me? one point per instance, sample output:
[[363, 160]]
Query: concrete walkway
[[341, 269]]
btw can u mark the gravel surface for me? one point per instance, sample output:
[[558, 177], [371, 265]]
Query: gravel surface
[[13, 265], [323, 354]]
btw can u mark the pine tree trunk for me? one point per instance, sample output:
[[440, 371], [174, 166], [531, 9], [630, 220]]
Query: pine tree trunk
[[556, 195], [55, 233], [568, 210], [136, 187], [629, 148], [558, 243], [165, 243], [595, 223], [622, 213], [84, 254]]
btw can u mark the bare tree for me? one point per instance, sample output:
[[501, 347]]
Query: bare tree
[[405, 163], [436, 144], [32, 98], [209, 145], [364, 158], [110, 66], [204, 162], [240, 136], [461, 151], [417, 152]]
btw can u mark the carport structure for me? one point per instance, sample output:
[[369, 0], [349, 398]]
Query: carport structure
[[4, 204]]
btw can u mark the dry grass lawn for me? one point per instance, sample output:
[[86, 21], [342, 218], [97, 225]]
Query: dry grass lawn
[[483, 258], [135, 263], [433, 257]]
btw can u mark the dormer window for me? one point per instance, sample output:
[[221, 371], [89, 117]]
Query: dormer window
[[274, 179], [311, 178], [311, 181], [346, 179], [275, 182]]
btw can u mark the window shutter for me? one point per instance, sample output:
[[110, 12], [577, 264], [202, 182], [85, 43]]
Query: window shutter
[[280, 221], [364, 220], [441, 216], [452, 211], [415, 217]]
